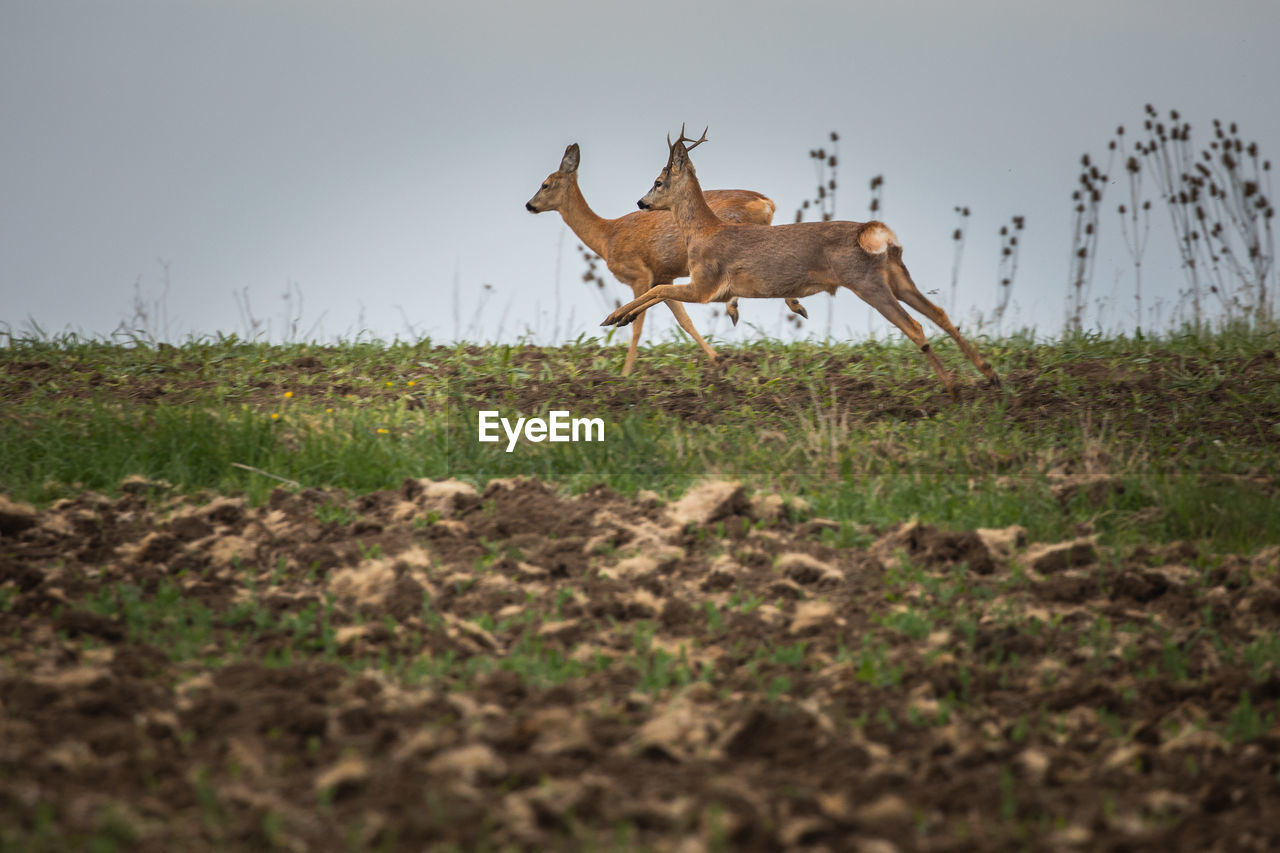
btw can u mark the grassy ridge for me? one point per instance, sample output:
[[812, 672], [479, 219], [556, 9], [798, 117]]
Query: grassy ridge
[[1138, 439]]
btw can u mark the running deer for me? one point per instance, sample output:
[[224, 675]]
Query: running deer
[[787, 261], [644, 249]]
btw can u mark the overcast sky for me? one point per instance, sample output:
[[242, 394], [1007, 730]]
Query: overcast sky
[[375, 157]]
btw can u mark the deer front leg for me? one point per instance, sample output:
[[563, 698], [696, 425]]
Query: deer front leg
[[731, 308], [630, 363], [639, 282], [682, 317], [629, 312], [677, 292]]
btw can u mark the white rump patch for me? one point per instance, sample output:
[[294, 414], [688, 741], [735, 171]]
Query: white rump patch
[[876, 238]]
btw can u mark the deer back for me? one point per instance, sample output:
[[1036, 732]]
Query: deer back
[[792, 260], [652, 237]]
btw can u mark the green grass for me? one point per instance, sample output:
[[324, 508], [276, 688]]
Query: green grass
[[1186, 451]]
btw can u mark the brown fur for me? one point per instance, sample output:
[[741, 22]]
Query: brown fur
[[644, 248], [731, 260]]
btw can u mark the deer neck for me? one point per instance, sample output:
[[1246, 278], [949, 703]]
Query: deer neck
[[591, 229], [691, 211]]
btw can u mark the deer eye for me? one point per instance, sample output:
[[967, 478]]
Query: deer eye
[[544, 186]]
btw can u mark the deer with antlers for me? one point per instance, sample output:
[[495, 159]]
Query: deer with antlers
[[728, 260], [644, 249]]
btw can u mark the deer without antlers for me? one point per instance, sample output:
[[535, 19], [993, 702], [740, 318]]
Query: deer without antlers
[[644, 249], [741, 260]]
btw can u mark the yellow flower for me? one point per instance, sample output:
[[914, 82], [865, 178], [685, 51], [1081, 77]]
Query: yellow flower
[[382, 431], [412, 383], [275, 416], [288, 393], [389, 383], [330, 409]]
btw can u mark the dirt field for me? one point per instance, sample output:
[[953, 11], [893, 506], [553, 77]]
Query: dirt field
[[515, 669]]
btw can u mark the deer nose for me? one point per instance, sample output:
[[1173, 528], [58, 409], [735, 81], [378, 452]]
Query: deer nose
[[528, 205], [640, 204]]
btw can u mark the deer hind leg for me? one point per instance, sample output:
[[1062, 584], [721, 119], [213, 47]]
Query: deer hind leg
[[876, 293], [905, 289]]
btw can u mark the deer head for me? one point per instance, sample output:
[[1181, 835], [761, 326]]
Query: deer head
[[678, 167], [551, 195]]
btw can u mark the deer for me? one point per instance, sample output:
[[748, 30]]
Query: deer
[[732, 260], [644, 249]]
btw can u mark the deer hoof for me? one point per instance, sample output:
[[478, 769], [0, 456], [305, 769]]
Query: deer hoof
[[795, 306]]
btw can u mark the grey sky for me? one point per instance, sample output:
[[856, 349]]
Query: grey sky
[[376, 153]]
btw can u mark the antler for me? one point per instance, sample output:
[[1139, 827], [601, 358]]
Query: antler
[[683, 138]]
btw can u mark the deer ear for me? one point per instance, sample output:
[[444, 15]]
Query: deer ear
[[570, 161], [679, 156]]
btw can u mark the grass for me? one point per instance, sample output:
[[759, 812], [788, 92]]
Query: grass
[[1182, 449]]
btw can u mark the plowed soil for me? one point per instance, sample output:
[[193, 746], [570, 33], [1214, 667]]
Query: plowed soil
[[512, 668]]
